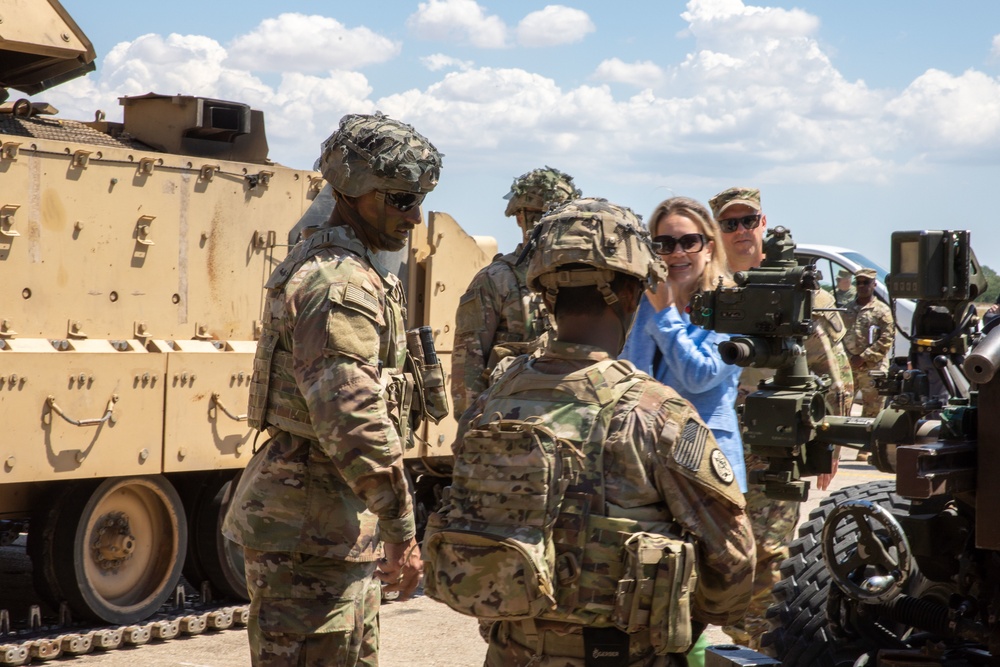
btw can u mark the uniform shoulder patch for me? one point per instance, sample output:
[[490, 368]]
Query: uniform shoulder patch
[[689, 448], [721, 467]]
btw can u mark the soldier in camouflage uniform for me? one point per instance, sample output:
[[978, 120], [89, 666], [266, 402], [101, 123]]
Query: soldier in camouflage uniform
[[325, 497], [498, 308], [739, 214], [870, 334], [657, 465], [845, 292]]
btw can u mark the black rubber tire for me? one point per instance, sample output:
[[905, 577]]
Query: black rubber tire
[[63, 553], [801, 633], [211, 557]]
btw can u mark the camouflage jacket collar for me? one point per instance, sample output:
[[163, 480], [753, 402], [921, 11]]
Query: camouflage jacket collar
[[574, 351]]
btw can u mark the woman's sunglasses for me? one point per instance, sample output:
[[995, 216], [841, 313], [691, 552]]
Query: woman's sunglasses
[[665, 245]]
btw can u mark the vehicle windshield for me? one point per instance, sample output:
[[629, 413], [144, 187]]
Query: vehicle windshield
[[864, 261]]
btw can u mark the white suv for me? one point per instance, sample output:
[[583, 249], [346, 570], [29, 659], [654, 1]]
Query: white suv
[[830, 260]]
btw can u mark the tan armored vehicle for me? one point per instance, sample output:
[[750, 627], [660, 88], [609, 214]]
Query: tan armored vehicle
[[133, 258]]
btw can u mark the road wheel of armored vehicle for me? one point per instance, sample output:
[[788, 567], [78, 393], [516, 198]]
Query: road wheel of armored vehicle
[[112, 550], [211, 557], [814, 624]]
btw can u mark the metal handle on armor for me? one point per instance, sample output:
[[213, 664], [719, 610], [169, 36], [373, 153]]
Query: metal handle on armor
[[216, 402], [108, 413]]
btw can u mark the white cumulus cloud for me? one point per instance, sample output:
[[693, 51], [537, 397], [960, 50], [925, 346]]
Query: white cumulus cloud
[[642, 74], [462, 21], [309, 43], [439, 61], [554, 25]]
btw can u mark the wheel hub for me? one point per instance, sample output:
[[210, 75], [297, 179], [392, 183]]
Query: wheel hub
[[113, 542]]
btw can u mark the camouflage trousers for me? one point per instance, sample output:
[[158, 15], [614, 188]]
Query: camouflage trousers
[[773, 523], [308, 611], [871, 402], [561, 645]]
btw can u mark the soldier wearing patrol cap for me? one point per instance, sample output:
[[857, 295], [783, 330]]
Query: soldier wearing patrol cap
[[871, 331], [323, 510], [498, 308], [650, 475], [845, 292], [741, 218]]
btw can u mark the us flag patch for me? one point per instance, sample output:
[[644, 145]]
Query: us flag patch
[[690, 446]]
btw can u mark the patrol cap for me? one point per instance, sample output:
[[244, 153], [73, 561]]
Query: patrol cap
[[843, 273], [733, 196], [866, 273], [375, 152], [538, 189], [596, 233]]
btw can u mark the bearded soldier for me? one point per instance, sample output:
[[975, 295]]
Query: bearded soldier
[[326, 496], [498, 307], [629, 519]]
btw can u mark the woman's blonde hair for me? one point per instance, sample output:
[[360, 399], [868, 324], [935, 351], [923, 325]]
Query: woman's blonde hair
[[696, 212]]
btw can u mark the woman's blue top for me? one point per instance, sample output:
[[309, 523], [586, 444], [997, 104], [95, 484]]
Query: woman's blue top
[[686, 358]]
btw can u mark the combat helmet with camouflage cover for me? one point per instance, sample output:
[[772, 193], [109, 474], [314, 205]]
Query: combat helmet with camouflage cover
[[375, 152], [538, 189], [598, 234]]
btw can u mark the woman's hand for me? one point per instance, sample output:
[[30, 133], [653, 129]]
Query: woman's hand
[[662, 298]]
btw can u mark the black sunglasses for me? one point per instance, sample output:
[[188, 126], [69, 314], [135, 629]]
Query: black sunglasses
[[862, 281], [403, 201], [665, 245], [732, 224]]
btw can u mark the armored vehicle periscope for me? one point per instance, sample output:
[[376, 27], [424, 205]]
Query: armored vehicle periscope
[[134, 256]]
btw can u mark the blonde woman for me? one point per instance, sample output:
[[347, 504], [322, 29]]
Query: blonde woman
[[663, 341]]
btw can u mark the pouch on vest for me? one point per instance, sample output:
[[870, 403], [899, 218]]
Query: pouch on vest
[[398, 389], [489, 549], [261, 379], [431, 395], [655, 592]]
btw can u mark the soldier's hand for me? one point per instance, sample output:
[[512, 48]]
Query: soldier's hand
[[401, 568]]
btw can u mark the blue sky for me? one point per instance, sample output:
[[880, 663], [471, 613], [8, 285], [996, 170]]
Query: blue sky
[[854, 118]]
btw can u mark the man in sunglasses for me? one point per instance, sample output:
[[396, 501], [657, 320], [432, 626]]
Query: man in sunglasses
[[323, 509], [870, 335], [498, 308], [738, 212]]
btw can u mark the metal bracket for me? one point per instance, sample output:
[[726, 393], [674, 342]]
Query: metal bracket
[[316, 184], [7, 220], [207, 171], [9, 150], [74, 329], [6, 330], [142, 230], [262, 240], [81, 158], [146, 165]]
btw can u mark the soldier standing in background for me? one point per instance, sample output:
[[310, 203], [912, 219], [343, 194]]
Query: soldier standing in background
[[498, 307], [327, 491], [845, 292], [871, 332], [648, 466], [738, 212]]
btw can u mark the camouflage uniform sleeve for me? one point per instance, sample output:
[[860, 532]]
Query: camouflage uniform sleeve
[[881, 317], [826, 356], [699, 487], [336, 344], [476, 323]]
